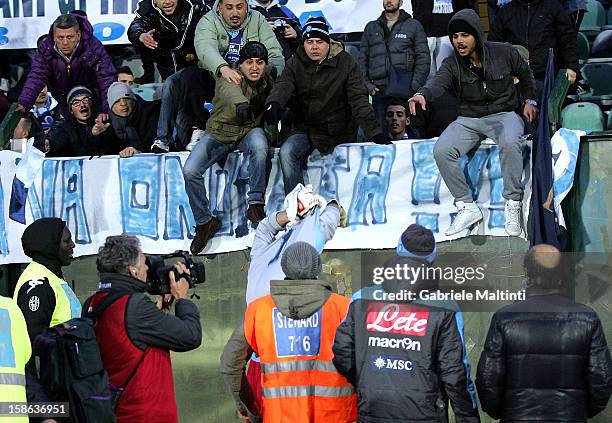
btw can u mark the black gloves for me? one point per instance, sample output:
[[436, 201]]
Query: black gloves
[[244, 111], [380, 139], [272, 114]]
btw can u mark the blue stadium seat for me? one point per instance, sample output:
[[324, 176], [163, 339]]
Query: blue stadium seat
[[585, 116], [599, 76], [584, 49], [602, 46]]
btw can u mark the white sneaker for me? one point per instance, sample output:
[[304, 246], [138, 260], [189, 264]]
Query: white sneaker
[[514, 217], [195, 137], [467, 215], [159, 146]]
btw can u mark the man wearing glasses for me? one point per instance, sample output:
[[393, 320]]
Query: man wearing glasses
[[80, 134]]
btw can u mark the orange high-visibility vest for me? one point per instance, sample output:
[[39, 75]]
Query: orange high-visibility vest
[[299, 381]]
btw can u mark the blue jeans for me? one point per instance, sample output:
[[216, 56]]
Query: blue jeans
[[209, 151], [293, 153]]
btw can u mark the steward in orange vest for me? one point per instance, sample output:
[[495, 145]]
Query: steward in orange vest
[[292, 331]]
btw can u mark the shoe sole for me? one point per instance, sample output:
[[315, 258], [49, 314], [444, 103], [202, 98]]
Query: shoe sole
[[216, 225], [158, 150], [467, 227]]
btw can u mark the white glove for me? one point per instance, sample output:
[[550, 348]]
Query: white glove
[[291, 203]]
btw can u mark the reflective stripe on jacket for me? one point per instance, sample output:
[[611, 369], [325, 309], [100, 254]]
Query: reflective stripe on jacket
[[299, 382]]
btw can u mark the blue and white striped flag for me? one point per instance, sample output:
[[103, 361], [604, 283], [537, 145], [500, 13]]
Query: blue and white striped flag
[[26, 172]]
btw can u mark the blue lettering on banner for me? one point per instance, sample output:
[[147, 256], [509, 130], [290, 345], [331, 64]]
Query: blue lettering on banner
[[476, 159], [426, 176], [371, 185], [7, 351], [3, 38], [140, 189], [49, 176], [297, 337], [108, 31], [428, 220], [495, 177], [387, 363], [66, 6], [329, 165], [277, 194], [73, 206], [178, 212], [4, 248], [497, 218]]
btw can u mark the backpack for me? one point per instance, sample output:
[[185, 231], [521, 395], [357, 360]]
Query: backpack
[[71, 368]]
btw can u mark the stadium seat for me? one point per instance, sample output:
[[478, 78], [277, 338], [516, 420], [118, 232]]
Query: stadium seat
[[594, 19], [556, 99], [609, 121], [599, 76], [602, 46], [8, 125], [585, 116], [609, 19], [584, 49]]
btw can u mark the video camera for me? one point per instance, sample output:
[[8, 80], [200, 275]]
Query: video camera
[[158, 275]]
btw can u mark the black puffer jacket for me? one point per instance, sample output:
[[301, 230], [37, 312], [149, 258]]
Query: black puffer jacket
[[538, 25], [329, 98], [174, 34], [404, 358], [497, 92], [545, 359], [407, 46], [71, 138]]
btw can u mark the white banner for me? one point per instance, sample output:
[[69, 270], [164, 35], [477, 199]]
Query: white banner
[[383, 188], [23, 21]]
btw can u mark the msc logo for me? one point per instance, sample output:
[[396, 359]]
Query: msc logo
[[406, 344], [390, 363]]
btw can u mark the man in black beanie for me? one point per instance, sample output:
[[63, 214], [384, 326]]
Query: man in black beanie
[[481, 73], [328, 96], [405, 356], [235, 123]]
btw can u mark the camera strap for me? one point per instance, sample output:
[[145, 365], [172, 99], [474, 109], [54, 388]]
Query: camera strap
[[106, 302]]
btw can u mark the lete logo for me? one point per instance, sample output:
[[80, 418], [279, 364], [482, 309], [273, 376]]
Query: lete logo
[[395, 318]]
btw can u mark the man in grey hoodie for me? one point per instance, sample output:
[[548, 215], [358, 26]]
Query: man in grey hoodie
[[482, 75]]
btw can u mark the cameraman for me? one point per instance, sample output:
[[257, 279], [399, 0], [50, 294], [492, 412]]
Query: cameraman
[[135, 336]]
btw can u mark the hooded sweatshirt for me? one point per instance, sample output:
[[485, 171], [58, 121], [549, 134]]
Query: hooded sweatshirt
[[495, 92], [212, 39]]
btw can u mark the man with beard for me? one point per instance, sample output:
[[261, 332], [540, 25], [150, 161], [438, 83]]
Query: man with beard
[[42, 294], [80, 134], [166, 28], [133, 120], [482, 74], [397, 41]]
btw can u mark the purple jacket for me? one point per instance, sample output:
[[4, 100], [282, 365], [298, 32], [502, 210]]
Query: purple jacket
[[90, 65]]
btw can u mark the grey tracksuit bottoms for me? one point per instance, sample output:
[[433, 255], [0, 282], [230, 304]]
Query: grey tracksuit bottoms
[[505, 128]]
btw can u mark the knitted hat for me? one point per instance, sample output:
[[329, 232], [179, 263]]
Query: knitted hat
[[78, 91], [253, 50], [459, 25], [117, 91], [417, 242], [316, 27], [301, 261]]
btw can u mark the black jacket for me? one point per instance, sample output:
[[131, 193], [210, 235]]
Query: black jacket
[[544, 359], [407, 46], [70, 138], [404, 358], [436, 25], [146, 325], [276, 11], [538, 25], [143, 120], [174, 34], [329, 98], [497, 92]]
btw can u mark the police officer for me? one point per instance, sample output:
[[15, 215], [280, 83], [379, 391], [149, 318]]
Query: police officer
[[15, 351], [292, 331], [41, 293]]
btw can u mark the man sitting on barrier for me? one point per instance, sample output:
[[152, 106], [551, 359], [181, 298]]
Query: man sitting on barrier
[[235, 123], [329, 94], [481, 73]]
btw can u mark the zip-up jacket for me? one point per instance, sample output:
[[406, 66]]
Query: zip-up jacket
[[545, 359], [329, 98], [538, 25], [407, 46], [89, 65], [174, 34], [495, 92]]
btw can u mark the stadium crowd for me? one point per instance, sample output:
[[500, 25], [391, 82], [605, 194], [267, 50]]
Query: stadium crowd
[[249, 76]]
